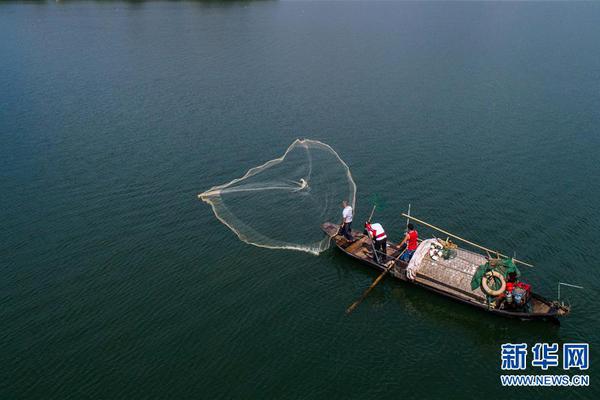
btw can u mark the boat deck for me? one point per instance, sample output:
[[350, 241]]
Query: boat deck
[[448, 277], [453, 275]]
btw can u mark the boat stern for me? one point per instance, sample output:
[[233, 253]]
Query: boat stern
[[562, 310]]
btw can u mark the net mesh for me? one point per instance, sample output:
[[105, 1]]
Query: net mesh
[[282, 203]]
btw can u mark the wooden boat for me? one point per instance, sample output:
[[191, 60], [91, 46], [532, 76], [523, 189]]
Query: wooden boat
[[450, 278]]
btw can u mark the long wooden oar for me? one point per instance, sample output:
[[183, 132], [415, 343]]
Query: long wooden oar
[[379, 278], [465, 240]]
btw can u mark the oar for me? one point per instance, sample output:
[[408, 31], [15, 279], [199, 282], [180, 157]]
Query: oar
[[371, 215], [379, 278], [374, 251], [465, 240]]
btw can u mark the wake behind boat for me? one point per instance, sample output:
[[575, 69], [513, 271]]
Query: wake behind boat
[[448, 270]]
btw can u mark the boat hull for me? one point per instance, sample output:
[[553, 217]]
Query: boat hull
[[361, 250]]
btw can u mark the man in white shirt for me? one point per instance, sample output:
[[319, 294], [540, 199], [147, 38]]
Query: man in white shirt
[[379, 240], [345, 229]]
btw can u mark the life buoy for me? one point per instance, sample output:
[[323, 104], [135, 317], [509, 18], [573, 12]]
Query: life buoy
[[493, 275]]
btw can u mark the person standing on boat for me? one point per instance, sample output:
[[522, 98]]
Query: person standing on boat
[[379, 238], [411, 241], [346, 224]]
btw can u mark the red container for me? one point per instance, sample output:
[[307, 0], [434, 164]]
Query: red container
[[524, 286]]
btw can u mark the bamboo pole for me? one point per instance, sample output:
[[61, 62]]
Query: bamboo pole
[[372, 211], [379, 278], [464, 240]]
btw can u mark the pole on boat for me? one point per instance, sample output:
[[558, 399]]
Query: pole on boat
[[464, 240], [374, 251], [566, 284], [375, 282], [408, 218], [372, 211]]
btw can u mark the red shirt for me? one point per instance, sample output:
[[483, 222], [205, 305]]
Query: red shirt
[[412, 240]]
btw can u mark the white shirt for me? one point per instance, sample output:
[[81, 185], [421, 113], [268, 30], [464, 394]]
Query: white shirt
[[347, 214], [379, 233]]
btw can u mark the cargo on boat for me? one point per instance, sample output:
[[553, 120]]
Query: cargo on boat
[[446, 269]]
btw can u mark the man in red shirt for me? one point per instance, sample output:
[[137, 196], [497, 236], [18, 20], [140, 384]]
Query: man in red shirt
[[411, 240]]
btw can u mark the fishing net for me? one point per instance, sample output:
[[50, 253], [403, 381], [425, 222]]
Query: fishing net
[[282, 203]]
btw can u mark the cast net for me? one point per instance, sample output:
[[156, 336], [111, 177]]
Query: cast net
[[282, 203]]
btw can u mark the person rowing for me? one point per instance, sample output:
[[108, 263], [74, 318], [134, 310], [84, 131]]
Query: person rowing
[[379, 238], [411, 242]]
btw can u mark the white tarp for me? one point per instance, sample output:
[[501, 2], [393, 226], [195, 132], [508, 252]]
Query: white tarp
[[415, 261]]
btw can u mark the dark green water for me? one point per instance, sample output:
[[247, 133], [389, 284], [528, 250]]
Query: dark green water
[[118, 283]]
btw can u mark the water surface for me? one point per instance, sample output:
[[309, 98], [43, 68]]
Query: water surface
[[118, 283]]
